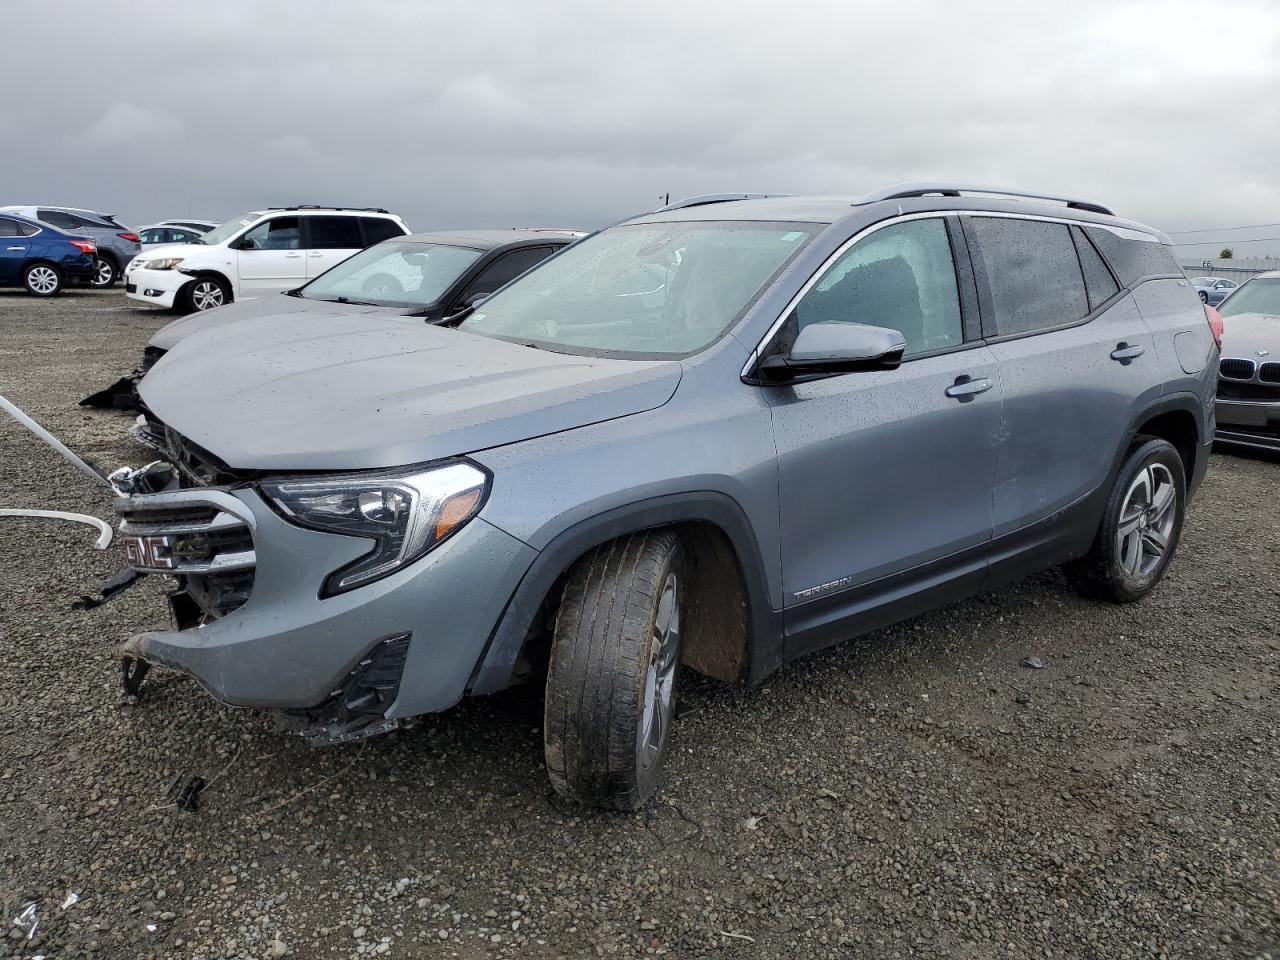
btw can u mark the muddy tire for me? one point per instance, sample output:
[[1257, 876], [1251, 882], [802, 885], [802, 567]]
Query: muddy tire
[[1140, 528], [611, 684]]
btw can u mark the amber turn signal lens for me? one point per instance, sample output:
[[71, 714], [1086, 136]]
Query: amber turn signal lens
[[454, 511]]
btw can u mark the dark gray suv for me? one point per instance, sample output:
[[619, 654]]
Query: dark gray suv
[[721, 435]]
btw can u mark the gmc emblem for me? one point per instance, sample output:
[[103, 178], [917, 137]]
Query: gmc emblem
[[149, 553]]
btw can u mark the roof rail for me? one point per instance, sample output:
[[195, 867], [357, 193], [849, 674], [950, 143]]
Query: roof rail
[[716, 198], [316, 206], [901, 191]]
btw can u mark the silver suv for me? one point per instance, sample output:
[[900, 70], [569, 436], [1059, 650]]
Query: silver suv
[[717, 436]]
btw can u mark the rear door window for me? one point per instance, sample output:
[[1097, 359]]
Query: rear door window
[[9, 228], [377, 229], [902, 277], [1030, 271], [334, 233], [1098, 281]]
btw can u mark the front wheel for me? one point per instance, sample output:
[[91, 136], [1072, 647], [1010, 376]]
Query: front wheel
[[206, 293], [1140, 528], [611, 685], [104, 273], [42, 280], [1204, 297]]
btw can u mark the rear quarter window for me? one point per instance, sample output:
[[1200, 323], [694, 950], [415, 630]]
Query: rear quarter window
[[1134, 260]]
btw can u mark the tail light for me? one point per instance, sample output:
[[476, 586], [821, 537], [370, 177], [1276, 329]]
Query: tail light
[[131, 237], [1215, 324], [84, 246]]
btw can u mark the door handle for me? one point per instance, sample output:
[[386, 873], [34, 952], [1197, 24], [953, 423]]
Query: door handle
[[293, 256], [15, 248], [315, 253], [966, 388], [1126, 353]]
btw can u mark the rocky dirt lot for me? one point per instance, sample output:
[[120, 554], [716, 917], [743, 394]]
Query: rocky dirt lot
[[916, 793]]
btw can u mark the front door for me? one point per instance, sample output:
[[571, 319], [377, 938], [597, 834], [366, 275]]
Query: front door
[[270, 258], [885, 476]]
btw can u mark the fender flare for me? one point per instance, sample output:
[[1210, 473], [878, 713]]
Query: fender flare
[[497, 662], [1181, 402], [202, 274]]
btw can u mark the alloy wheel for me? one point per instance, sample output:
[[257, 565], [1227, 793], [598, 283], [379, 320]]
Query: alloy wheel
[[206, 295], [1147, 517], [42, 280], [660, 677], [103, 273]]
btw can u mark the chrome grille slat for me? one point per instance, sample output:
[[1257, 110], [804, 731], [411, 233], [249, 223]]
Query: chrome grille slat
[[152, 528]]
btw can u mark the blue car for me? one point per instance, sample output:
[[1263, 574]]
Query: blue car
[[42, 258]]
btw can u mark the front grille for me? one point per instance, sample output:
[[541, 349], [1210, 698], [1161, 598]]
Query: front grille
[[1257, 392], [203, 537], [196, 464], [1236, 369], [1269, 372]]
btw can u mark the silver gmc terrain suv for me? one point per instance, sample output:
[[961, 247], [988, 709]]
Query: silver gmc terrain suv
[[717, 437]]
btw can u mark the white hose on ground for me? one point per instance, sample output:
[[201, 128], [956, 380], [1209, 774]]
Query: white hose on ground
[[104, 529]]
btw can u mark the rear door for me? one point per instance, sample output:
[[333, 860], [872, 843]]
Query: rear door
[[270, 258], [13, 250], [885, 475], [330, 240], [1076, 363]]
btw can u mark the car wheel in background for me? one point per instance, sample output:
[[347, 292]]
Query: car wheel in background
[[1204, 297], [206, 293], [42, 280], [611, 684], [1140, 528], [104, 273], [382, 285]]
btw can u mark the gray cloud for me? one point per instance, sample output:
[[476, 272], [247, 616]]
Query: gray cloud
[[576, 112]]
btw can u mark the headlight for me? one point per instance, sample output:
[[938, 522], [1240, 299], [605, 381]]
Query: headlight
[[405, 514], [163, 263]]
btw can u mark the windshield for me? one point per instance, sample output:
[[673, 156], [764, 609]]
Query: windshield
[[229, 228], [1253, 296], [395, 273], [645, 290]]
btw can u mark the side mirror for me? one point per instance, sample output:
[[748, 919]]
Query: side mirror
[[837, 348]]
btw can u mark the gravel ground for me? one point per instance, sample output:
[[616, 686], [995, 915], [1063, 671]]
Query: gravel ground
[[916, 793]]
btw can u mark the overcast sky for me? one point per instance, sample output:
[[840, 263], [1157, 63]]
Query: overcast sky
[[578, 113]]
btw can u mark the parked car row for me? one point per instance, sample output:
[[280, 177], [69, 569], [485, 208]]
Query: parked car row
[[720, 435]]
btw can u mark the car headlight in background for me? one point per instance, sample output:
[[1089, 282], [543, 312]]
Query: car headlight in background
[[404, 513], [163, 263]]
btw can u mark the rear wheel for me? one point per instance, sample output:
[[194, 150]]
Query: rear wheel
[[206, 293], [104, 273], [1140, 528], [1204, 297], [611, 685], [42, 280]]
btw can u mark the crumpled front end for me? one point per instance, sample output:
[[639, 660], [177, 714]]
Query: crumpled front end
[[253, 624]]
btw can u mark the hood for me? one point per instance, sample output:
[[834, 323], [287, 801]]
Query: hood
[[1247, 333], [260, 309], [348, 392], [172, 250]]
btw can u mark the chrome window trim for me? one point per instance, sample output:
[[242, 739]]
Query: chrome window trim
[[1122, 232]]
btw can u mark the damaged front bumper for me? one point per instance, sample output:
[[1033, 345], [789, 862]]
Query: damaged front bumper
[[254, 631]]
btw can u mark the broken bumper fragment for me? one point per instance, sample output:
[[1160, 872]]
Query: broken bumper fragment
[[255, 631]]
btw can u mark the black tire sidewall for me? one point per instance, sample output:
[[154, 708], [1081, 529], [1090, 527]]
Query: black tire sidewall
[[36, 293], [648, 778], [1143, 455]]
